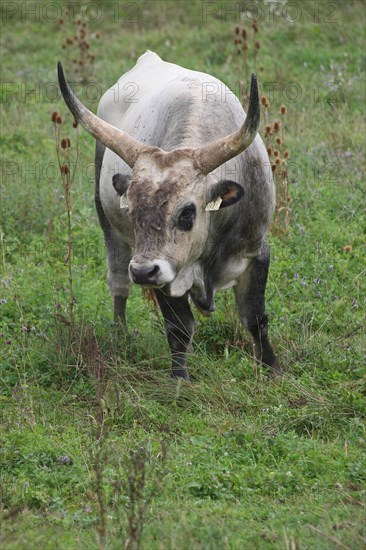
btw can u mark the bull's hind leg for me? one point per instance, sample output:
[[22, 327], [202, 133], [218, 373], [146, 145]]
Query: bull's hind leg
[[179, 327], [249, 295], [118, 259], [118, 252]]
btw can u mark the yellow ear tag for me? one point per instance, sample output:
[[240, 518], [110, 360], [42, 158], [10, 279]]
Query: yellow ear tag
[[213, 205], [123, 201]]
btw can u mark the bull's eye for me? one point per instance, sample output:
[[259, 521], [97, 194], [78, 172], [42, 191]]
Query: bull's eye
[[186, 218]]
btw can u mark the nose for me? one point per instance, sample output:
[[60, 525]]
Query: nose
[[145, 274]]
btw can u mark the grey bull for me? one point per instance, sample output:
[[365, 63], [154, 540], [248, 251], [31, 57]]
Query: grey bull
[[184, 195]]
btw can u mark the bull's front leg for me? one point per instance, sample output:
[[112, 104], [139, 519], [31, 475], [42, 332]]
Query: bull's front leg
[[179, 327], [250, 299]]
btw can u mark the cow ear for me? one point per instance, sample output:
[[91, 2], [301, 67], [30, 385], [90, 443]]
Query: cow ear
[[224, 193], [120, 183]]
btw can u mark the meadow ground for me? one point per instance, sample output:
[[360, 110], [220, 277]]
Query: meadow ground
[[97, 445]]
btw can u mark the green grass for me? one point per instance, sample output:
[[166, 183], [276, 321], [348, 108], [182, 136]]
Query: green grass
[[250, 463]]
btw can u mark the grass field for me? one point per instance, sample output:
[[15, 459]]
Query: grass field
[[98, 447]]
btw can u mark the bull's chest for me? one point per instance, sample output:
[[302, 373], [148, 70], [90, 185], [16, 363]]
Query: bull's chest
[[217, 278]]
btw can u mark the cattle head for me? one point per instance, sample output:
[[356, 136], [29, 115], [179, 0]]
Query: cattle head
[[170, 196]]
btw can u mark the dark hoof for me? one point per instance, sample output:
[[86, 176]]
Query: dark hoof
[[275, 371], [180, 373]]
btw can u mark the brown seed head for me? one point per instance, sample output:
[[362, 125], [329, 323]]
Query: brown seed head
[[245, 46], [268, 129], [257, 45], [64, 143], [263, 100], [276, 126], [237, 30], [54, 116], [273, 167], [261, 68], [244, 34], [68, 142], [276, 153], [269, 151], [278, 160], [283, 109], [58, 119], [61, 21], [65, 169], [278, 140], [97, 35], [286, 154]]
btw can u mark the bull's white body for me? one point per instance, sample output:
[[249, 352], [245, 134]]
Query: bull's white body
[[134, 104]]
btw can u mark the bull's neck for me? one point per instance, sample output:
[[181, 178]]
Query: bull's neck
[[194, 124]]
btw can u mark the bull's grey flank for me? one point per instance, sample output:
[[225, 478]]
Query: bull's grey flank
[[184, 195]]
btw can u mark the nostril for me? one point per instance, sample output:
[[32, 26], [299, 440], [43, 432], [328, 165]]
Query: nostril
[[154, 271]]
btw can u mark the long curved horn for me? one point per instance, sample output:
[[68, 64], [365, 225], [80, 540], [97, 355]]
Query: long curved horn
[[125, 146], [216, 153]]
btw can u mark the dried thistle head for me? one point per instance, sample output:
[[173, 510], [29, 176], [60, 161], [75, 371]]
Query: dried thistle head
[[276, 126], [273, 167], [65, 169], [237, 29], [244, 34], [263, 100], [54, 116], [268, 129], [278, 140], [269, 151], [64, 143], [276, 153], [68, 142], [283, 109], [257, 45], [286, 154], [58, 119], [61, 21], [278, 160], [245, 46]]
